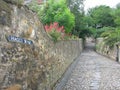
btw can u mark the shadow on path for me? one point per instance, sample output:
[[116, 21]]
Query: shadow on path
[[89, 45]]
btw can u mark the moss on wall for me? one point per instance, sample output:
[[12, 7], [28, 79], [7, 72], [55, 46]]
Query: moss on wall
[[5, 13], [16, 2], [104, 49]]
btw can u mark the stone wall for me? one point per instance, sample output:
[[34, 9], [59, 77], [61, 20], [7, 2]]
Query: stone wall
[[105, 50], [35, 66]]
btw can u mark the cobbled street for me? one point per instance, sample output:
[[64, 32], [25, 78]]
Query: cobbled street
[[93, 72]]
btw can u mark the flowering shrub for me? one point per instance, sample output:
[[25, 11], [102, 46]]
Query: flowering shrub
[[55, 31]]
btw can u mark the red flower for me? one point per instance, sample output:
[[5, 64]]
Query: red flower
[[55, 26], [46, 28], [39, 1]]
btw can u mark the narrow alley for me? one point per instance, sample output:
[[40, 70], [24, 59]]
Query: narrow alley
[[92, 72]]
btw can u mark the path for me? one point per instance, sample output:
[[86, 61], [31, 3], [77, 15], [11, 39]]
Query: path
[[93, 72]]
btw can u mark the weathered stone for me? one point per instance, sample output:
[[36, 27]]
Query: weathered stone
[[5, 13], [92, 72], [104, 49], [37, 66], [17, 2], [15, 87]]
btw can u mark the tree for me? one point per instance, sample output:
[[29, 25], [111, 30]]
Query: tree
[[117, 15], [111, 37], [100, 19], [76, 3], [56, 11], [101, 16], [77, 8], [118, 5]]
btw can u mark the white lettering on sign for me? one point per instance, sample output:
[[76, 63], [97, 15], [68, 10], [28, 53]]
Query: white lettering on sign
[[20, 40]]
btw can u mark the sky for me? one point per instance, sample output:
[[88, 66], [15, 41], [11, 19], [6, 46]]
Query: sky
[[93, 3]]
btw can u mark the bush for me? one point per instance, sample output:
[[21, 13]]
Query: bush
[[112, 37], [56, 11], [55, 31]]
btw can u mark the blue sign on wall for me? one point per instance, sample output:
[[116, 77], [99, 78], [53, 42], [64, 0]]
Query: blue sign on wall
[[20, 40]]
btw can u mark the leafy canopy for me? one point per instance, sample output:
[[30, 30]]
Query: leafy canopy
[[112, 37], [57, 11], [101, 16], [77, 8]]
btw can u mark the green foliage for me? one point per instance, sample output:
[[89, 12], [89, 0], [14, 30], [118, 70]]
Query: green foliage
[[102, 30], [55, 31], [100, 19], [75, 4], [112, 37], [66, 19], [101, 16], [55, 35], [93, 32], [117, 16], [106, 23], [89, 21], [76, 7], [118, 6], [56, 11]]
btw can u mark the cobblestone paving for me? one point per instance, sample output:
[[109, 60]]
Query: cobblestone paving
[[94, 72]]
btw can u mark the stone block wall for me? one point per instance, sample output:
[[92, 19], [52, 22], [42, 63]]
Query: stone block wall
[[31, 67], [105, 50]]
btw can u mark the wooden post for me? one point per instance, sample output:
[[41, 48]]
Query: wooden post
[[118, 53], [117, 56]]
